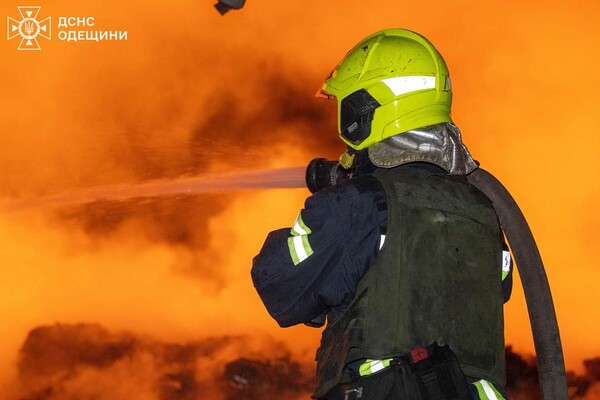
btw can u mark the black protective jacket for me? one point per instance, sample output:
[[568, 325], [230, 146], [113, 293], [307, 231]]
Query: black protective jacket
[[347, 225], [437, 278]]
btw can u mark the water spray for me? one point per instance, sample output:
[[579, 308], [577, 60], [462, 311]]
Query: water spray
[[279, 178]]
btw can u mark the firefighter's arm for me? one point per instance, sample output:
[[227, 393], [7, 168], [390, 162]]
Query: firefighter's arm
[[304, 271]]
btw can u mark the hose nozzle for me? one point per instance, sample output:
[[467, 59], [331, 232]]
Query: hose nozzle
[[321, 174]]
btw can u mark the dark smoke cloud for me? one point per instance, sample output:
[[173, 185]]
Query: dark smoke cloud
[[272, 379], [523, 383], [274, 109], [521, 376], [73, 361], [234, 130]]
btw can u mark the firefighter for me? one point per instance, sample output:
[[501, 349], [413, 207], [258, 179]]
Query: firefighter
[[405, 261]]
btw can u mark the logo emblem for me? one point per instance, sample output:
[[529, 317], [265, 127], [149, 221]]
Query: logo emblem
[[29, 28]]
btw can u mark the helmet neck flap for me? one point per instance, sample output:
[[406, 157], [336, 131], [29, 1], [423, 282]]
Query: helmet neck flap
[[439, 144]]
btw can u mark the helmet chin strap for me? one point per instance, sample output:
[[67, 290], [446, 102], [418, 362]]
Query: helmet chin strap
[[347, 159], [544, 326]]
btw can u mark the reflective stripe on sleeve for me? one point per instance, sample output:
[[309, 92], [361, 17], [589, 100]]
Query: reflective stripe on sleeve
[[298, 243], [487, 391], [506, 263], [300, 227]]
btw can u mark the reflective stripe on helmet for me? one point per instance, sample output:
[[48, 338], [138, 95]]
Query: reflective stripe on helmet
[[400, 85], [298, 243]]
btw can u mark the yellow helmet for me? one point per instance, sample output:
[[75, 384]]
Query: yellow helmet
[[391, 82]]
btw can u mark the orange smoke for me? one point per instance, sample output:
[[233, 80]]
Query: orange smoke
[[191, 92]]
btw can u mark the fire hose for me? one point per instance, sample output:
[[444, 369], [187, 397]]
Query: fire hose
[[542, 317]]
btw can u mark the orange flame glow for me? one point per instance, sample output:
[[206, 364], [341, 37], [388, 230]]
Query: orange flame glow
[[191, 92]]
